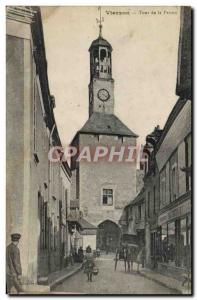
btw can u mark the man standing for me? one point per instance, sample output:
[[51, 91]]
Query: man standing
[[13, 265]]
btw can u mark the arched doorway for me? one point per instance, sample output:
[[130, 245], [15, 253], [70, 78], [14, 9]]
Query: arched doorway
[[108, 236]]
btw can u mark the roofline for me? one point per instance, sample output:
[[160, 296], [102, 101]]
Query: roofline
[[170, 120], [137, 198], [114, 134], [101, 38], [91, 132]]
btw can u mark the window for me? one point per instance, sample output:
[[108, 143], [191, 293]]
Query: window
[[96, 60], [107, 197], [163, 191], [174, 183], [188, 162], [145, 163], [105, 69], [139, 212], [43, 222], [130, 212], [103, 54], [153, 242], [55, 237], [35, 96], [66, 202], [173, 165], [148, 205], [154, 201]]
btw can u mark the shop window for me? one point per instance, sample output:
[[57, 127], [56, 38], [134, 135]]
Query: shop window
[[164, 243], [183, 236], [189, 230], [107, 197], [171, 242], [184, 243]]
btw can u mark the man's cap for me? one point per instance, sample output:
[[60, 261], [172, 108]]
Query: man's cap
[[15, 237]]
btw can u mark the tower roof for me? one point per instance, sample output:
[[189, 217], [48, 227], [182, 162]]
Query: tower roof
[[109, 124], [100, 41]]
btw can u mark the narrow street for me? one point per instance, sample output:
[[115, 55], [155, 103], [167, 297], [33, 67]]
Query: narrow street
[[109, 281]]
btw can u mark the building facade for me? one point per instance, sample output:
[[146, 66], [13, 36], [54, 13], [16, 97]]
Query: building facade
[[132, 221], [104, 186], [152, 200], [168, 175], [36, 187], [173, 160]]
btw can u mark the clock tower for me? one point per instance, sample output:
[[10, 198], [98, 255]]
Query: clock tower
[[100, 189], [101, 87]]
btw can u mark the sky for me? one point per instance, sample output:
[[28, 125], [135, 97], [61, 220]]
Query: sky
[[144, 63]]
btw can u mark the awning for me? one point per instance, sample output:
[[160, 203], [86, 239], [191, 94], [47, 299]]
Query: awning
[[86, 227]]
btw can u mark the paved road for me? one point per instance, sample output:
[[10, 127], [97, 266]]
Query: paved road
[[109, 281]]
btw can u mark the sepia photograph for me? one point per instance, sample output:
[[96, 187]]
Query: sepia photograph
[[99, 150]]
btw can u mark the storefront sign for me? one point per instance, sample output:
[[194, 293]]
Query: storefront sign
[[175, 212]]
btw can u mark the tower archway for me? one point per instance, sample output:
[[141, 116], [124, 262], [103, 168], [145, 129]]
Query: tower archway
[[108, 236]]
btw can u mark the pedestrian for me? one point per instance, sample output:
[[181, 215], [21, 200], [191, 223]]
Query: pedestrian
[[89, 264], [140, 258], [80, 254], [13, 265], [129, 258]]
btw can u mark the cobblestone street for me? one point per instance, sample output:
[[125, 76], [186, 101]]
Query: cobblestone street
[[109, 281]]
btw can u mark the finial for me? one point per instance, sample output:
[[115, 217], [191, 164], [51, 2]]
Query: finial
[[100, 20]]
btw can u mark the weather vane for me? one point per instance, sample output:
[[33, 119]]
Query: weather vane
[[100, 21]]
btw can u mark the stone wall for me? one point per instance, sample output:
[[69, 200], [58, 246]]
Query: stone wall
[[94, 176]]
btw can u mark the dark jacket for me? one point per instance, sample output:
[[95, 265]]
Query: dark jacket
[[13, 262]]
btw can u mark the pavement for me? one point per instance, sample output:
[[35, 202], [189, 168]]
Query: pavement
[[109, 281], [166, 281], [59, 276], [46, 284]]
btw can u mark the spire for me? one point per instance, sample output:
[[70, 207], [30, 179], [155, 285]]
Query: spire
[[100, 20]]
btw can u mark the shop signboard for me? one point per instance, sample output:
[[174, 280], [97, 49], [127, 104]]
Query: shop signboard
[[175, 212]]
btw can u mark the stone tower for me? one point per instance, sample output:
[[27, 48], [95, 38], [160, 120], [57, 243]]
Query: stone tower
[[101, 189], [101, 87]]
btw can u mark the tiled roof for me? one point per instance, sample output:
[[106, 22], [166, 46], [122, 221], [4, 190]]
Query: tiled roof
[[102, 123]]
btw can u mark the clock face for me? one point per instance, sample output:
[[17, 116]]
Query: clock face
[[103, 95]]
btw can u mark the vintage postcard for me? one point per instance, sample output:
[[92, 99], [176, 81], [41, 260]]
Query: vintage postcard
[[99, 150]]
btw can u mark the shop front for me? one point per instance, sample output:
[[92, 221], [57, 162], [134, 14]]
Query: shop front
[[174, 229]]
